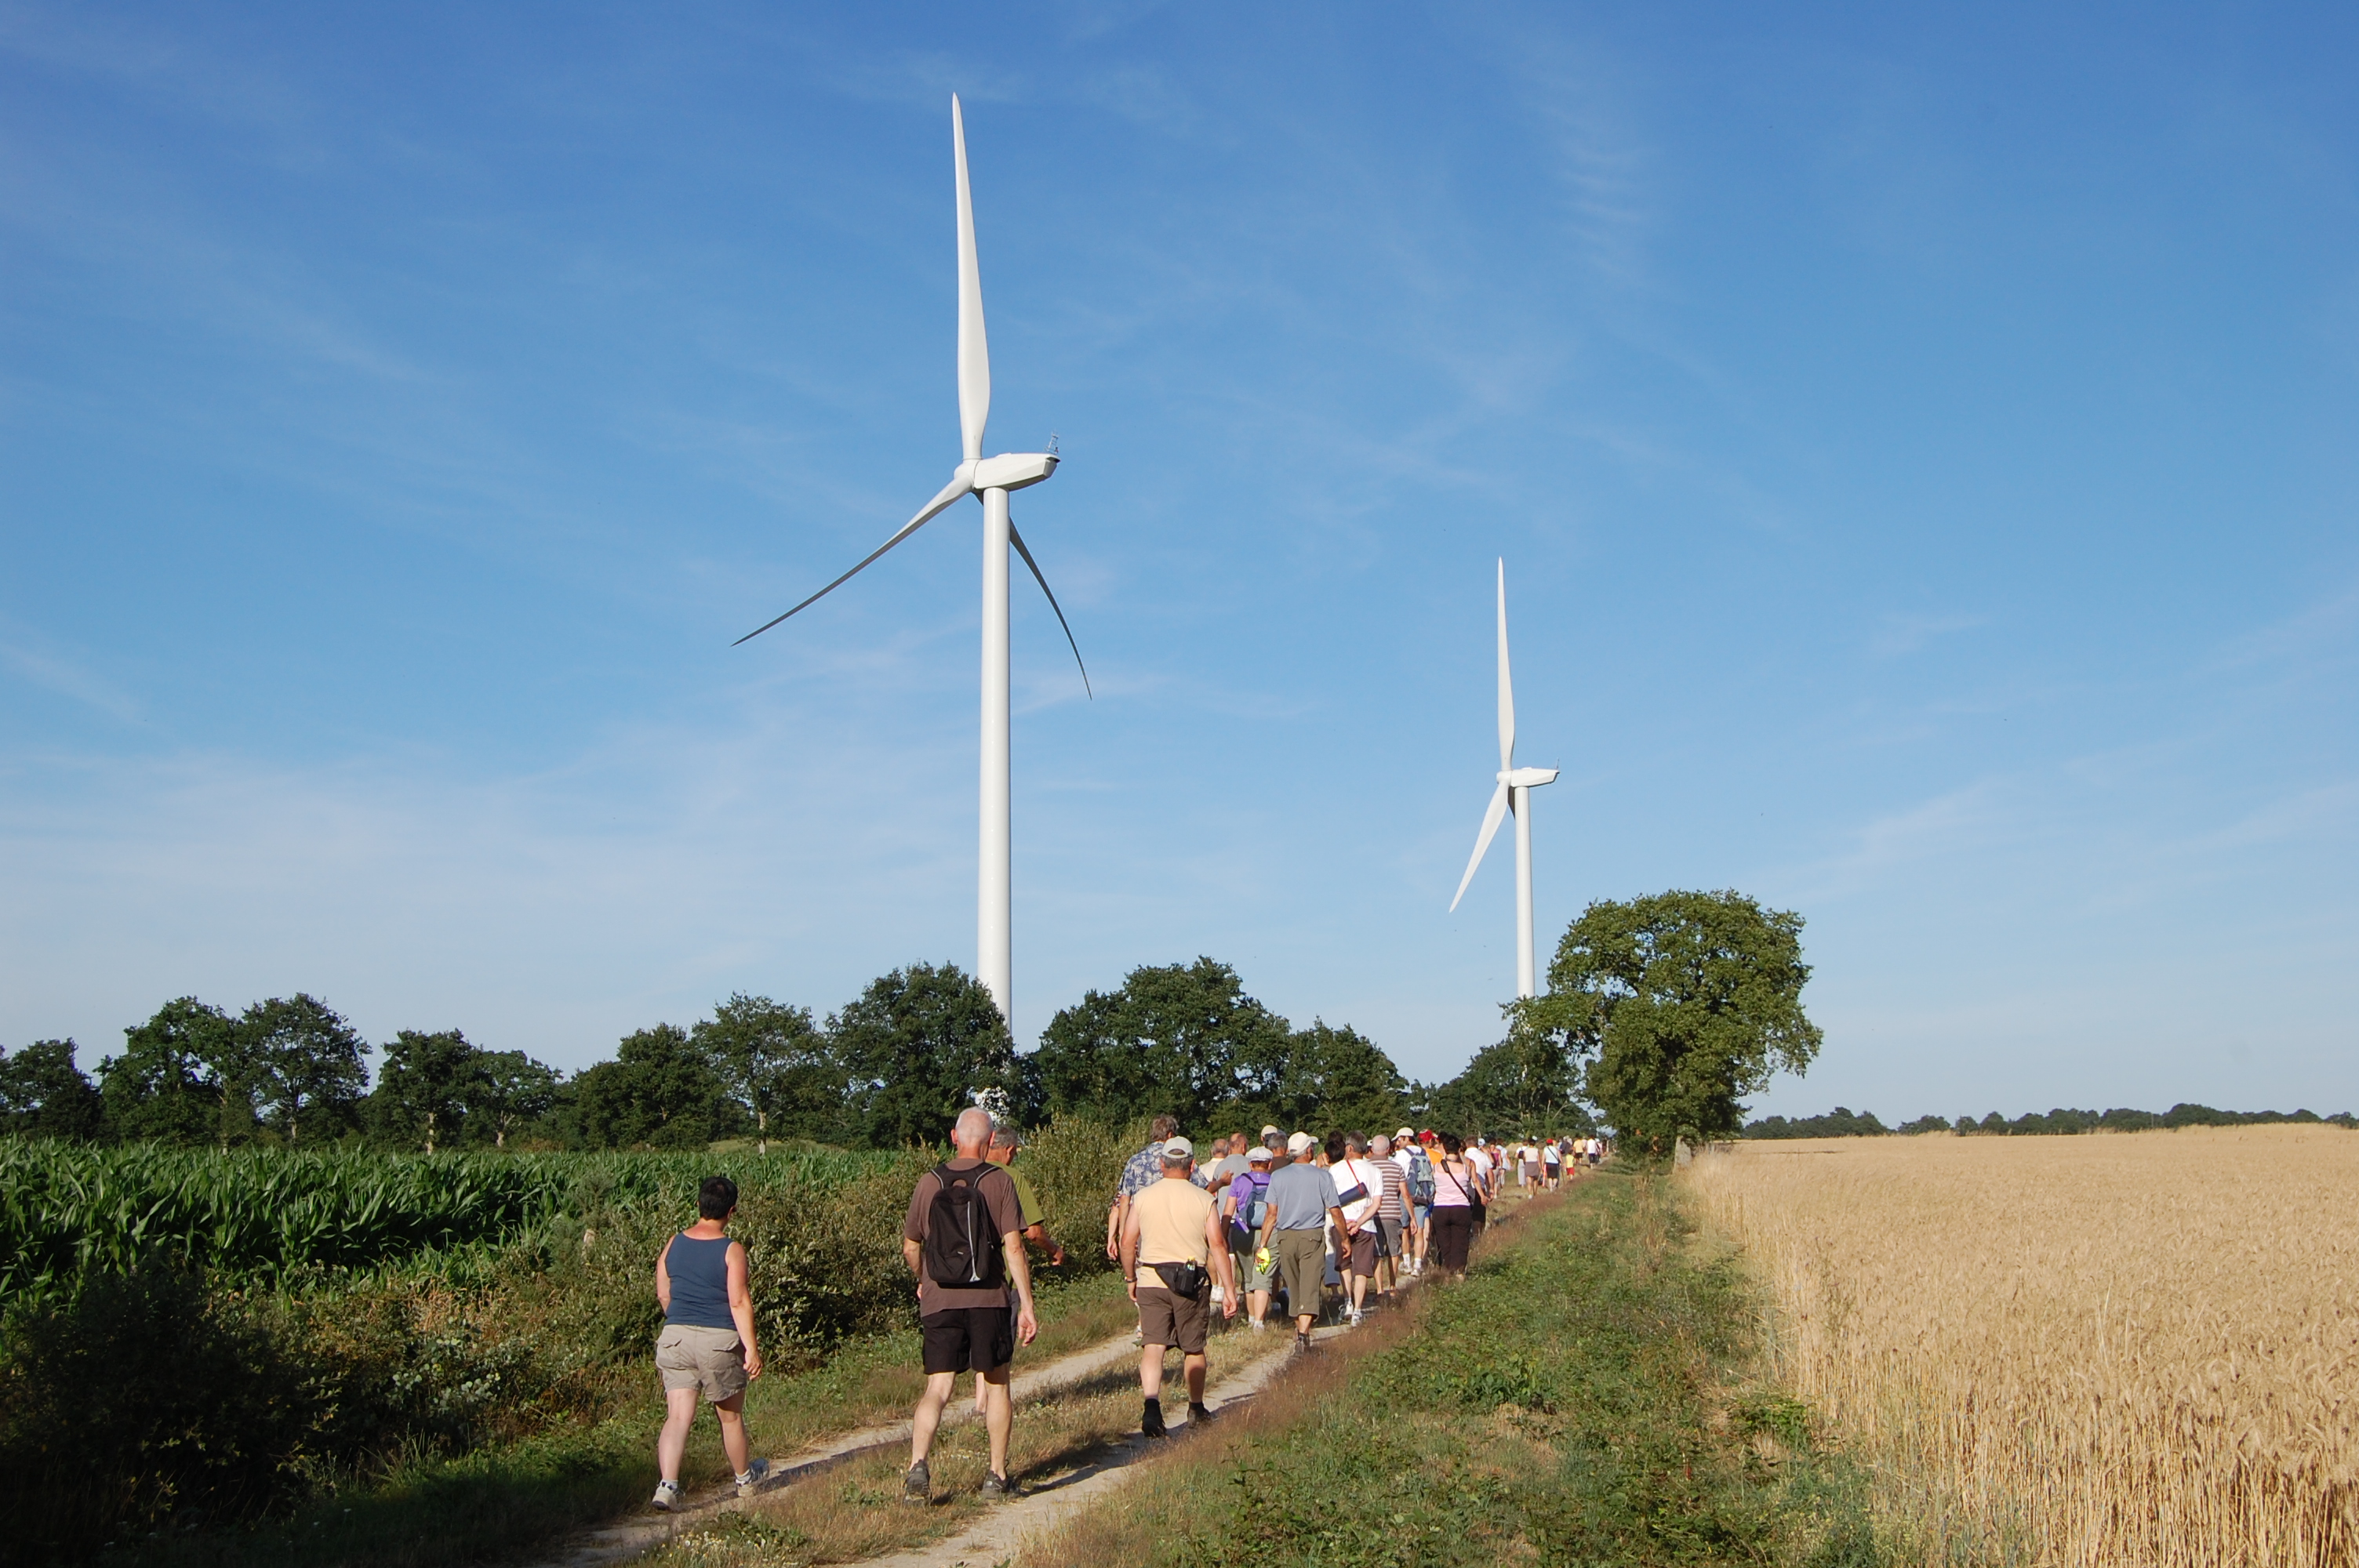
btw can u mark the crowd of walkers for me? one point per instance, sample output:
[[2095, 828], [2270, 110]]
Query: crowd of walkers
[[1304, 1227]]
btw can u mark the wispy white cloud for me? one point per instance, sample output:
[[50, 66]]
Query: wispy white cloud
[[1897, 634], [67, 677]]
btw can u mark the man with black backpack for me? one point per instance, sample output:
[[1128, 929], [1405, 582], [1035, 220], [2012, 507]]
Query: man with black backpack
[[963, 1239]]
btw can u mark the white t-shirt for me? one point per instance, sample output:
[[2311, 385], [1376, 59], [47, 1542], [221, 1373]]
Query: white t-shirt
[[1480, 1162], [1360, 1172]]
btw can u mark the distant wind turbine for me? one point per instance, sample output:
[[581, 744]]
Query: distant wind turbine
[[1514, 794], [992, 479]]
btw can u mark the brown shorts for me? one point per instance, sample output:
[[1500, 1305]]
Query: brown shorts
[[1166, 1318], [1363, 1251], [708, 1359]]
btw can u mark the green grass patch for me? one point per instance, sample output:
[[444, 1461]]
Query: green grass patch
[[1584, 1396]]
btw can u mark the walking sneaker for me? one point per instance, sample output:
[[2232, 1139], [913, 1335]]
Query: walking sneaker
[[918, 1485], [1302, 1341], [1199, 1414], [666, 1497], [757, 1471], [999, 1488], [1150, 1420], [1352, 1317]]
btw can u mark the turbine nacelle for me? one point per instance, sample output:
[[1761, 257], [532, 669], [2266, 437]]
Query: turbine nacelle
[[1008, 471], [1527, 778]]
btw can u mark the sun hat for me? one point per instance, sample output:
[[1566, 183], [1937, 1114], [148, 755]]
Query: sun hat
[[1258, 1155], [1299, 1143]]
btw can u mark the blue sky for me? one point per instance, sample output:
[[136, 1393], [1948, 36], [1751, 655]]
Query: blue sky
[[1924, 446]]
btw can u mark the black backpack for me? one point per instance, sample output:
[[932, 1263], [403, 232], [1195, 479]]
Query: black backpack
[[961, 1246]]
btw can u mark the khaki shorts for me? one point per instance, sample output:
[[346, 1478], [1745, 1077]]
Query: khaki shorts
[[709, 1359], [1302, 1258], [1166, 1317]]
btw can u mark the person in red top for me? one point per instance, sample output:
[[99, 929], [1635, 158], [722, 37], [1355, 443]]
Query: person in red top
[[966, 1318]]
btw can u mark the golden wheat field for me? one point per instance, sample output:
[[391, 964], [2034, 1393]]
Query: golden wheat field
[[2108, 1349]]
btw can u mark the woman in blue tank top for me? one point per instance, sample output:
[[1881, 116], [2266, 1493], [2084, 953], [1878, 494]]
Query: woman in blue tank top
[[707, 1343]]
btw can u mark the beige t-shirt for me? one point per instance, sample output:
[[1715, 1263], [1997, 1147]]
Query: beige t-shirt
[[1172, 1217]]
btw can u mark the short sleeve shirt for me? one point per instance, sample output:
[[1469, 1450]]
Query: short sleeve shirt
[[998, 1190], [1394, 1204], [1363, 1175], [1142, 1170], [1302, 1195], [1027, 1201]]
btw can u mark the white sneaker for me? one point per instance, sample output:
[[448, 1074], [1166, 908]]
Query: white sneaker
[[751, 1481], [1352, 1317], [666, 1497]]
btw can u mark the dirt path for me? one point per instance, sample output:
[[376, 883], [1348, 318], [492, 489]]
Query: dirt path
[[996, 1538], [634, 1537], [993, 1536]]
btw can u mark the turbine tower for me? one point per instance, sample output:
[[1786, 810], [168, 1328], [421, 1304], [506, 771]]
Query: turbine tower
[[991, 479], [1514, 794]]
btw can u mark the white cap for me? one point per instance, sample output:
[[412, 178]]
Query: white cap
[[1257, 1154], [1299, 1143], [1269, 1132], [1177, 1147], [1406, 1133]]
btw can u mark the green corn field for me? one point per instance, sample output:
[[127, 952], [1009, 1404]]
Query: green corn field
[[70, 1212]]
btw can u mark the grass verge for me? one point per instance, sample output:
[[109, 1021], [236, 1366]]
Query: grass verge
[[1586, 1395]]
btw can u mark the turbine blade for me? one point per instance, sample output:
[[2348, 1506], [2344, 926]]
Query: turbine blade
[[1490, 820], [1017, 539], [1507, 686], [973, 352], [950, 492]]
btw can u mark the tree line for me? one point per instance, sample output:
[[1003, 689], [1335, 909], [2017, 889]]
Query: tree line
[[894, 1067], [1661, 1015], [1843, 1122]]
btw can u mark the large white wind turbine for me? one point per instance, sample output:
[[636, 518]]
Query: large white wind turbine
[[1514, 794], [992, 479]]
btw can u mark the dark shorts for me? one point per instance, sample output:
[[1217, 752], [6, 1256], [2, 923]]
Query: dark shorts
[[1166, 1319], [981, 1339], [1365, 1248]]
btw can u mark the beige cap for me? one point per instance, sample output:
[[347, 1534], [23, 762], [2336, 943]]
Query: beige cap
[[1177, 1148], [1299, 1143], [1271, 1132], [1404, 1132]]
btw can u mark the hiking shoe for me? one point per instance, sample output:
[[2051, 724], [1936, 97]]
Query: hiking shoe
[[666, 1497], [918, 1485], [757, 1472], [999, 1488], [1151, 1420], [1199, 1416], [1302, 1341]]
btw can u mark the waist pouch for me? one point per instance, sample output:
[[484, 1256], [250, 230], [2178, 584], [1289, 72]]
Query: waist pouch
[[1185, 1281]]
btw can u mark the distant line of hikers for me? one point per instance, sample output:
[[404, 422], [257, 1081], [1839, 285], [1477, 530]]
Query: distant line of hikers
[[1290, 1217]]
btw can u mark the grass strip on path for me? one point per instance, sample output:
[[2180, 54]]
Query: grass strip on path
[[1582, 1397]]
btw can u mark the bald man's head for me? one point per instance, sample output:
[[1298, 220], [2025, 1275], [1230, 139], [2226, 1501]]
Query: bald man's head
[[972, 1135]]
